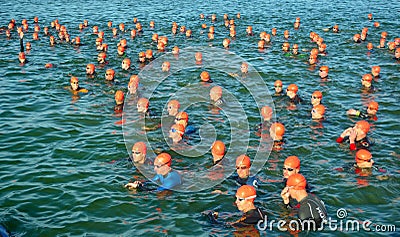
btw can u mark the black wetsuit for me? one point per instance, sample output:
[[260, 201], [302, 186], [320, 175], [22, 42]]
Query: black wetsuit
[[364, 115], [251, 217], [312, 208], [119, 108], [296, 100], [219, 102]]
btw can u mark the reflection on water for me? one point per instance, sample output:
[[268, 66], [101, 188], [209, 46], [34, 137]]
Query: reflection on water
[[63, 156]]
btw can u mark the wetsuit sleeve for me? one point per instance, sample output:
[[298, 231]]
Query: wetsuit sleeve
[[173, 180], [21, 43]]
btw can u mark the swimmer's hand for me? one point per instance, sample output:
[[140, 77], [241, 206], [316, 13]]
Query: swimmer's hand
[[351, 112], [346, 132], [133, 185], [352, 136], [217, 191], [285, 195], [21, 35], [212, 217]]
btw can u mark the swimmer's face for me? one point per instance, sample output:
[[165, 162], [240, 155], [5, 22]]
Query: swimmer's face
[[244, 68], [165, 67], [243, 171], [141, 108], [290, 93], [125, 65], [366, 83], [323, 73], [289, 171], [137, 155], [285, 48], [315, 100], [215, 96], [100, 59], [89, 70], [161, 168], [312, 61], [172, 110], [132, 87], [278, 89], [74, 85], [397, 54], [109, 76], [372, 111], [365, 163]]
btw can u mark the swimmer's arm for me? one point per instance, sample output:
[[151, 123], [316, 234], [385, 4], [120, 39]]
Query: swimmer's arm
[[83, 90], [21, 42]]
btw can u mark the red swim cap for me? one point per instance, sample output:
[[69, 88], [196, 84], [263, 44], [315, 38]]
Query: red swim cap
[[218, 148]]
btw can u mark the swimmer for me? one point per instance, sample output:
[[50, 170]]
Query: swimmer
[[101, 58], [375, 70], [216, 96], [109, 75], [161, 47], [262, 129], [126, 64], [119, 102], [143, 106], [22, 58], [357, 136], [205, 77], [182, 118], [133, 33], [363, 159], [285, 47], [176, 133], [357, 38], [244, 68], [261, 44], [291, 92], [312, 59], [397, 54], [276, 132], [121, 51], [90, 69], [165, 177], [372, 109], [322, 49], [311, 207], [266, 113], [317, 112], [28, 46], [218, 150], [175, 50], [74, 86], [252, 215], [286, 34], [142, 57], [316, 98], [370, 46], [133, 84], [243, 176], [295, 50], [198, 57], [165, 67], [149, 55], [273, 32], [278, 88], [226, 43], [249, 31], [335, 29], [366, 82], [173, 107]]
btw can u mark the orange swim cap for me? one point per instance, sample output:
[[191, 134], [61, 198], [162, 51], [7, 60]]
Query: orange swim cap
[[218, 148], [127, 61], [363, 155], [205, 76], [324, 68], [134, 78], [119, 96], [164, 158], [278, 83], [293, 87], [266, 112], [142, 54], [320, 109], [243, 160], [144, 102], [182, 116], [246, 191], [278, 128], [91, 66], [363, 125], [292, 162], [373, 105], [317, 94], [140, 146], [376, 69], [367, 77], [74, 79], [295, 46], [174, 103], [297, 181], [110, 71]]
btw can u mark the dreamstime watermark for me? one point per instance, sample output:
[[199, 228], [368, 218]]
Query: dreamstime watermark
[[329, 224], [182, 82]]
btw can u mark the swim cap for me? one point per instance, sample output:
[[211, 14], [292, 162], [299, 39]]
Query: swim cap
[[246, 191], [140, 146], [376, 69], [373, 105], [266, 112], [243, 160], [102, 55], [134, 78], [278, 83], [127, 60], [74, 79], [317, 94], [293, 162], [149, 53], [324, 68], [180, 128], [174, 103], [363, 125], [205, 76], [119, 96], [111, 71], [121, 49], [164, 158], [286, 44], [144, 102], [297, 181], [367, 77], [278, 128], [295, 46], [182, 116], [363, 155], [90, 66], [293, 87], [218, 148], [217, 90], [320, 109]]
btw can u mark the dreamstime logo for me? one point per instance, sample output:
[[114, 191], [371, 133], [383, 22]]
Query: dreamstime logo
[[328, 224], [182, 83]]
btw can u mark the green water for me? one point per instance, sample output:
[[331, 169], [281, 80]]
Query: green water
[[64, 158]]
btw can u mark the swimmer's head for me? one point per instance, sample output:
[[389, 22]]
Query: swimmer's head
[[121, 50], [375, 71], [21, 57], [109, 75], [244, 68], [372, 108], [74, 83], [296, 182], [278, 86], [362, 126], [216, 93], [101, 57], [142, 57], [318, 111], [175, 50], [198, 56], [292, 90], [173, 107], [266, 113], [364, 158], [162, 163], [205, 76], [126, 64], [366, 80], [291, 166], [245, 196], [243, 164], [218, 150], [165, 66], [142, 105], [261, 44], [276, 131], [90, 69], [316, 98], [226, 42], [119, 97]]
